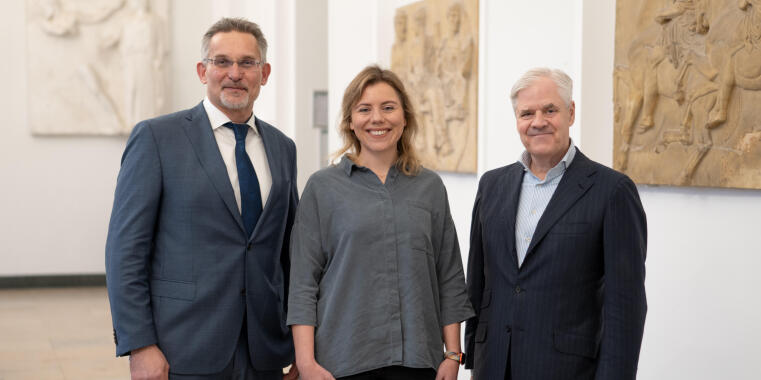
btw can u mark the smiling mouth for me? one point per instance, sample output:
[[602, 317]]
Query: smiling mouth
[[380, 132], [236, 88]]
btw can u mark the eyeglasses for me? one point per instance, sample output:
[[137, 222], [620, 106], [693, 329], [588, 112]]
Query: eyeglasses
[[224, 63]]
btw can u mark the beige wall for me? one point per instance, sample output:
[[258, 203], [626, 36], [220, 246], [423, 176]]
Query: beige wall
[[311, 58]]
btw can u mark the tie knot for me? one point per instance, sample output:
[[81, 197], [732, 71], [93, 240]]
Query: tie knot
[[240, 130]]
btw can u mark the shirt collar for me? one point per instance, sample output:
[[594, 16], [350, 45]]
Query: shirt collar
[[218, 119], [525, 160], [347, 165]]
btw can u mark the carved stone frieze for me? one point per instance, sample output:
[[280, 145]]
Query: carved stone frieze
[[435, 52], [96, 67], [687, 90]]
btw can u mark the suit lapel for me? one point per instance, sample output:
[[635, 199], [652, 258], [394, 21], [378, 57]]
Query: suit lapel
[[578, 178], [511, 186], [274, 159], [202, 138]]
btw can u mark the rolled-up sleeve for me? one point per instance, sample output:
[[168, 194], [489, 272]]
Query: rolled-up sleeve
[[307, 261], [453, 295]]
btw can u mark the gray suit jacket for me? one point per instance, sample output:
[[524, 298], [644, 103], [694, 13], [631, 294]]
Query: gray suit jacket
[[180, 270], [576, 307]]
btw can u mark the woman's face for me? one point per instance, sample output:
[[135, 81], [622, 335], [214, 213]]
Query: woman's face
[[378, 120]]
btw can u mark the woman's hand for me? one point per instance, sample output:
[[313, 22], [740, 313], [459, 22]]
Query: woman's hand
[[303, 342], [447, 370], [314, 371], [448, 367]]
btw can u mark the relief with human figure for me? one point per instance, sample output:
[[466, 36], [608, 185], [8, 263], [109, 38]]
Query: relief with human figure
[[687, 86]]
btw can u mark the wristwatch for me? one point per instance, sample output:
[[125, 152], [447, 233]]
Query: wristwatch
[[456, 356]]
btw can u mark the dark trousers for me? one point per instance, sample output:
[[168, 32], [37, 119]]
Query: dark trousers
[[239, 367], [508, 367], [394, 373]]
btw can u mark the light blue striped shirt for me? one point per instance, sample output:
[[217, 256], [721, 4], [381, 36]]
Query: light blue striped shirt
[[535, 195]]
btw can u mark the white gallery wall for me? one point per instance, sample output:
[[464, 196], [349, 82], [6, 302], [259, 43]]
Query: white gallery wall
[[704, 255], [56, 192]]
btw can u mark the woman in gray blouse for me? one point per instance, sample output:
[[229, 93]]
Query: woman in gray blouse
[[377, 288]]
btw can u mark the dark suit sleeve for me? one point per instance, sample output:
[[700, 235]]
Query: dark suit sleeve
[[475, 277], [293, 202], [130, 242], [625, 305]]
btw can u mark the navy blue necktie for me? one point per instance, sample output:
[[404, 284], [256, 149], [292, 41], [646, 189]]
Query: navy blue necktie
[[250, 194]]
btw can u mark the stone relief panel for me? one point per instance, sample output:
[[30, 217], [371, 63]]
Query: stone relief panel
[[687, 90], [96, 67], [435, 52]]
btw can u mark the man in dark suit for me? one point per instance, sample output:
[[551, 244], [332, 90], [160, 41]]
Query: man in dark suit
[[557, 254], [197, 252]]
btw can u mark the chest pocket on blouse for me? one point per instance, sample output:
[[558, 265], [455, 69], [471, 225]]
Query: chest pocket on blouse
[[420, 222]]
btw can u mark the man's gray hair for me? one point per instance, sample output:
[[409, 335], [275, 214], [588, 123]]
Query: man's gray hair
[[235, 25], [561, 79]]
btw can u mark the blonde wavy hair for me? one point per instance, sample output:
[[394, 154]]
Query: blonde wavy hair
[[407, 160]]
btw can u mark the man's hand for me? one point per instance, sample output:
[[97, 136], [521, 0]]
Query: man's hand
[[314, 371], [293, 373], [447, 370], [148, 363]]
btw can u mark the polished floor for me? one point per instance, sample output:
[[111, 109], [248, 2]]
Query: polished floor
[[52, 334]]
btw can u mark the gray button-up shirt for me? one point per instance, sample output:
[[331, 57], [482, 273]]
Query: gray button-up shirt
[[376, 268]]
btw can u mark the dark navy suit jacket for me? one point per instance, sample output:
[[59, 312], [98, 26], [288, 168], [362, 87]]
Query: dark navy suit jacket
[[180, 270], [576, 307]]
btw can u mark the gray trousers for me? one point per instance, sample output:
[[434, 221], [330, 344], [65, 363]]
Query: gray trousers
[[239, 367]]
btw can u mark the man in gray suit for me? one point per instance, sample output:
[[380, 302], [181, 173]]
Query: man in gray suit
[[556, 272], [197, 252]]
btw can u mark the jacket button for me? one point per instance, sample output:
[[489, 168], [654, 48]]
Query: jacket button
[[249, 246], [518, 289], [508, 329], [243, 292]]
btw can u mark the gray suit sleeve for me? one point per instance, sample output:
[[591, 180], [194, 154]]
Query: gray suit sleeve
[[130, 241]]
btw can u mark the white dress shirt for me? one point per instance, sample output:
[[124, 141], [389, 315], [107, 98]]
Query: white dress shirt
[[254, 147]]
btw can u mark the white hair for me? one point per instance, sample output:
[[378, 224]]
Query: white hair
[[561, 79]]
